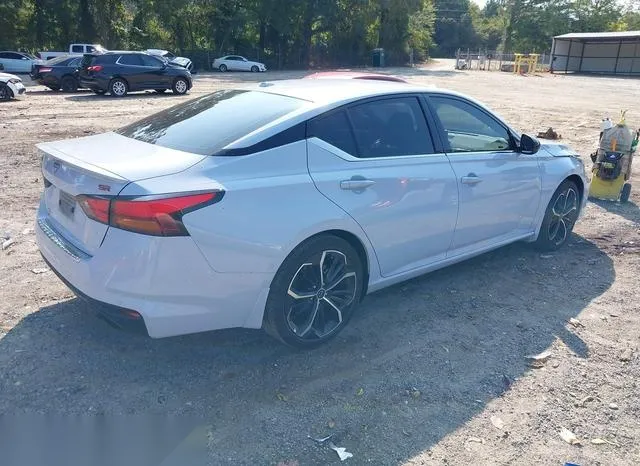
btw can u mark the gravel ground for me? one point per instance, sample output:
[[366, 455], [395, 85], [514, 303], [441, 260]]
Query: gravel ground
[[432, 371]]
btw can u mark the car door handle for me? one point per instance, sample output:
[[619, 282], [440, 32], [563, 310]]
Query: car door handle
[[471, 179], [356, 185]]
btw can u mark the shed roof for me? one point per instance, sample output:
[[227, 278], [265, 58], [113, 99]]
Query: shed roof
[[603, 36]]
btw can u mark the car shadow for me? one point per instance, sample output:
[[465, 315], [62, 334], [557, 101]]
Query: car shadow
[[416, 362]]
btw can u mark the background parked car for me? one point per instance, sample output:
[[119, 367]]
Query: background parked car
[[10, 86], [74, 50], [58, 73], [121, 72], [237, 63], [181, 61], [18, 62]]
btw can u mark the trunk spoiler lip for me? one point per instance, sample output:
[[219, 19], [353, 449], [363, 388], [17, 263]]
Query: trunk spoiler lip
[[48, 149]]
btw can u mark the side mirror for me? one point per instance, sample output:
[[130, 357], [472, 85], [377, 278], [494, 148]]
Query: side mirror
[[529, 145]]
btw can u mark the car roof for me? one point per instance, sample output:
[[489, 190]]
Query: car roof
[[354, 75], [334, 91]]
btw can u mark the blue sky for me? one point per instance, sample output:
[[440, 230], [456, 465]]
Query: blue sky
[[480, 2]]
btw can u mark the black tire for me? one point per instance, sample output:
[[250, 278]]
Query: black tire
[[310, 318], [254, 69], [69, 84], [625, 193], [180, 86], [118, 87], [99, 91], [160, 91], [5, 92], [223, 68], [560, 217]]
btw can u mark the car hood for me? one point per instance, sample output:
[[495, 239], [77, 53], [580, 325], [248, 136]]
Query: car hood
[[181, 61], [558, 149], [4, 77]]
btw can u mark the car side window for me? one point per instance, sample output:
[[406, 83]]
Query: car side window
[[468, 128], [391, 127], [150, 61], [75, 62], [4, 55], [77, 49], [334, 129], [132, 60], [90, 49]]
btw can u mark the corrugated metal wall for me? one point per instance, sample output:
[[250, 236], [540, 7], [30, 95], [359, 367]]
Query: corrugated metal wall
[[602, 57]]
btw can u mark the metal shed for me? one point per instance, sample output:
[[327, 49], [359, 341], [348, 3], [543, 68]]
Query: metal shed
[[597, 52]]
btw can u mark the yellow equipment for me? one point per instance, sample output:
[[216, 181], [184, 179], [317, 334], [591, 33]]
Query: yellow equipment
[[612, 162], [521, 59]]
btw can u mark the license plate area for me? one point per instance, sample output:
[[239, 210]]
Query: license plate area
[[67, 204]]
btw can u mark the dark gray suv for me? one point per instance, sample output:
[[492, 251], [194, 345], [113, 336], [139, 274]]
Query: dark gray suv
[[119, 73]]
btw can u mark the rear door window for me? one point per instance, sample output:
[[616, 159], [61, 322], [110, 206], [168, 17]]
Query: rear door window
[[391, 127], [131, 60], [208, 124], [77, 49], [334, 129]]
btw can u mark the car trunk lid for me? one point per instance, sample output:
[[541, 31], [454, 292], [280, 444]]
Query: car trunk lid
[[100, 165]]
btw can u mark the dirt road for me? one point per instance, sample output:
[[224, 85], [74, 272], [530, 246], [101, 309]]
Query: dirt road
[[433, 371]]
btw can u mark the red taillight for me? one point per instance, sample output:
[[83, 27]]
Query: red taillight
[[96, 208], [44, 70], [95, 68], [155, 216]]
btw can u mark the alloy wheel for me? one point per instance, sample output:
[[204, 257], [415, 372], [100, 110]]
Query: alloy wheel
[[181, 86], [563, 216], [319, 293], [119, 88]]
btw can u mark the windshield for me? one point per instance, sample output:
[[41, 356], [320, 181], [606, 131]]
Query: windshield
[[208, 124]]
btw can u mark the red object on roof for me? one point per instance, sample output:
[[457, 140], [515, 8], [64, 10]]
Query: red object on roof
[[354, 75]]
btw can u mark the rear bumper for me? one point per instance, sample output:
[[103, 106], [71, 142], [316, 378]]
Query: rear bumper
[[166, 280], [117, 316]]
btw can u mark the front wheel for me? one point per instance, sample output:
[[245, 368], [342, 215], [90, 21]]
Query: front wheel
[[180, 86], [626, 193], [559, 218], [314, 293], [118, 87], [254, 69], [222, 68], [5, 92]]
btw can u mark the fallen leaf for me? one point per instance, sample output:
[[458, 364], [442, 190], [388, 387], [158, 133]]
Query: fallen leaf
[[476, 440], [569, 437], [497, 422], [576, 323], [586, 399], [331, 424], [360, 392], [282, 396], [626, 355], [415, 393], [342, 452], [539, 360], [40, 270]]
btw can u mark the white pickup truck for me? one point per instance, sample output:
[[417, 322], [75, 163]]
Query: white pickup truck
[[74, 49]]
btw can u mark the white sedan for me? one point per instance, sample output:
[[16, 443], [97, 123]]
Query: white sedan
[[18, 62], [10, 86], [237, 63], [281, 205]]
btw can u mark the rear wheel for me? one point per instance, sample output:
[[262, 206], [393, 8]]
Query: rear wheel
[[118, 87], [222, 68], [314, 293], [560, 217], [69, 84], [625, 193], [180, 86], [5, 92]]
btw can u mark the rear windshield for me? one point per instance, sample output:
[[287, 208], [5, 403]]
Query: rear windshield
[[57, 60], [206, 125]]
